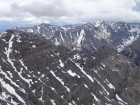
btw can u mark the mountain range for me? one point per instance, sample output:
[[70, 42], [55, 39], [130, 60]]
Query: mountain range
[[89, 36], [96, 63]]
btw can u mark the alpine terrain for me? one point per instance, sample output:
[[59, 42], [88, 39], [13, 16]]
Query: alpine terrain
[[96, 63]]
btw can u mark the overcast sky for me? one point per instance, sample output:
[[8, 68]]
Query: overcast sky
[[71, 11]]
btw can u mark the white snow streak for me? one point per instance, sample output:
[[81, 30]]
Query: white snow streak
[[18, 40], [26, 80], [4, 97], [82, 33], [81, 68], [53, 89], [61, 37], [85, 85], [52, 101], [38, 29], [41, 98], [23, 64], [34, 46], [60, 80], [109, 84], [10, 74], [7, 77], [56, 42], [72, 73], [11, 90], [96, 99], [9, 50], [102, 87], [77, 56], [61, 63], [103, 65], [127, 42], [119, 99], [30, 30]]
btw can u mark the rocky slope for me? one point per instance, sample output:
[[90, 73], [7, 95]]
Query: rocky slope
[[133, 51], [89, 36], [33, 71]]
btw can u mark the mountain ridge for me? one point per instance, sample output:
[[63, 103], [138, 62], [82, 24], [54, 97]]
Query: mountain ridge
[[89, 36], [33, 71]]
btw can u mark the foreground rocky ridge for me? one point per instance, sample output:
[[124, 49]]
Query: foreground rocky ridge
[[35, 72]]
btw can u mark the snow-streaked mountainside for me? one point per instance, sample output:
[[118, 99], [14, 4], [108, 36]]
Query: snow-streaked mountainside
[[89, 36], [133, 51], [33, 71]]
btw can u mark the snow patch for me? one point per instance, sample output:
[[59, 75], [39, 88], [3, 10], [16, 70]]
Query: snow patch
[[34, 46], [109, 84], [60, 80], [127, 42], [52, 101], [81, 68], [85, 85], [53, 89], [61, 36], [102, 87], [61, 63], [64, 28], [11, 90], [26, 80], [81, 36], [23, 64], [56, 42], [10, 74], [72, 73], [93, 57], [96, 99], [97, 23], [9, 50], [77, 56], [41, 98], [119, 99], [38, 29], [4, 97], [30, 30], [103, 65]]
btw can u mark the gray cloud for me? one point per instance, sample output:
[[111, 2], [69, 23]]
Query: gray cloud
[[72, 10], [137, 6], [39, 8]]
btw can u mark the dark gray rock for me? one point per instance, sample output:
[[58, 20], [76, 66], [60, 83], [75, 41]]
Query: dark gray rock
[[36, 72]]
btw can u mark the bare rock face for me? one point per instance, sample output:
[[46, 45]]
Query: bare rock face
[[33, 71]]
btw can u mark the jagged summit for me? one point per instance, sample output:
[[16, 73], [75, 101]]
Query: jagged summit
[[97, 23]]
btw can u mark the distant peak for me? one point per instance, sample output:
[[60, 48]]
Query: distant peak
[[97, 23], [45, 24], [10, 31]]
